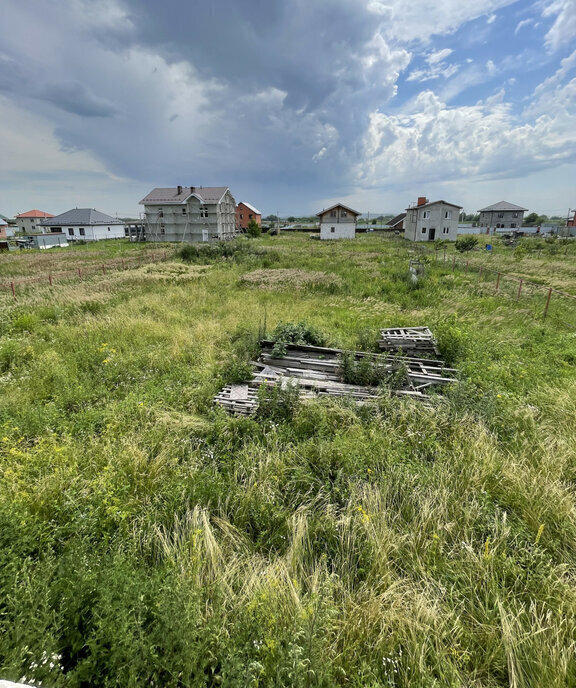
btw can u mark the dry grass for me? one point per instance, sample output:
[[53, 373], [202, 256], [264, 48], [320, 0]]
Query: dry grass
[[290, 278]]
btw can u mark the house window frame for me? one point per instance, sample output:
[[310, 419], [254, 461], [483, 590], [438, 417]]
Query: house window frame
[[425, 214], [424, 230]]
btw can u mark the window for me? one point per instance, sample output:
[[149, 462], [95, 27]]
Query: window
[[343, 213], [446, 230], [183, 211], [500, 214], [162, 229], [241, 216], [203, 211], [448, 215], [108, 228], [332, 213], [332, 230], [249, 217], [424, 230], [514, 214], [82, 232], [70, 231], [426, 215], [160, 213], [513, 224]]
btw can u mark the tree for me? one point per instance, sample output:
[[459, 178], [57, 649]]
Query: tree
[[531, 219], [253, 229]]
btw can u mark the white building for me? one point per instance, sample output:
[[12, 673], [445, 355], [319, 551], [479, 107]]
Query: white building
[[427, 221], [85, 224], [338, 222], [31, 221], [189, 214]]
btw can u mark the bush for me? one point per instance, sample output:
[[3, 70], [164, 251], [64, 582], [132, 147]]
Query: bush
[[254, 229], [370, 370], [278, 402], [466, 243], [295, 333]]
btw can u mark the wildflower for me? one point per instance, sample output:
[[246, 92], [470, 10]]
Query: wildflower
[[106, 360], [499, 396]]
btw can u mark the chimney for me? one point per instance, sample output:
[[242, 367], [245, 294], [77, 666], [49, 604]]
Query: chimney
[[192, 189], [179, 190], [422, 200]]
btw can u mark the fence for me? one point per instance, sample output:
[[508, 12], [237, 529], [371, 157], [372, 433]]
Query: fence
[[83, 271], [544, 300]]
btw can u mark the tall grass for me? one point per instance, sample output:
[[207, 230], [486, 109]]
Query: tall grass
[[147, 538]]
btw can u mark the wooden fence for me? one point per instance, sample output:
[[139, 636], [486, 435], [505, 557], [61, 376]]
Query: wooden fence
[[84, 271]]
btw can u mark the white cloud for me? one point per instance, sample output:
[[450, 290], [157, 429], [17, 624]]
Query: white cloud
[[522, 24], [564, 28], [434, 142], [439, 56]]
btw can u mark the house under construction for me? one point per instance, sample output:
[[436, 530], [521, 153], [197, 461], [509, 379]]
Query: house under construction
[[188, 214]]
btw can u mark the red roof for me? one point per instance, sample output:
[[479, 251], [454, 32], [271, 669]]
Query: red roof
[[35, 213]]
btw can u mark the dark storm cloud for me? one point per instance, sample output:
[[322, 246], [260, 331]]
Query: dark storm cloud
[[78, 99]]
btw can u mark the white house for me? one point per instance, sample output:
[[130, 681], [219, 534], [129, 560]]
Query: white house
[[31, 221], [427, 221], [338, 222], [190, 213], [501, 215], [85, 224]]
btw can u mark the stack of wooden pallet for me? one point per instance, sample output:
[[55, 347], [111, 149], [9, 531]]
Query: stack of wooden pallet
[[318, 372], [413, 341]]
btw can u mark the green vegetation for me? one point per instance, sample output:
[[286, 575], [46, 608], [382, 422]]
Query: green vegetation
[[466, 243], [148, 539]]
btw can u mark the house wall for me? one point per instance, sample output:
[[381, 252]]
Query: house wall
[[337, 230], [509, 219], [419, 228], [337, 215], [244, 215], [3, 232], [30, 225], [191, 221], [91, 232]]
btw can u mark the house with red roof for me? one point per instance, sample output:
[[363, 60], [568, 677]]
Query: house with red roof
[[29, 223]]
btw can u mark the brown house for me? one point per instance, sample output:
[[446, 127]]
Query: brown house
[[246, 212]]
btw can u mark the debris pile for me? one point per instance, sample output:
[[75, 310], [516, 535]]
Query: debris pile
[[323, 371]]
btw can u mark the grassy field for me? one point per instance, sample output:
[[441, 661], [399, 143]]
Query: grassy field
[[148, 539]]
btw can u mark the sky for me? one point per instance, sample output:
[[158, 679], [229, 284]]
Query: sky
[[293, 104]]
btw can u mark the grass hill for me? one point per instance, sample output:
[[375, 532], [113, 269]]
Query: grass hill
[[149, 539]]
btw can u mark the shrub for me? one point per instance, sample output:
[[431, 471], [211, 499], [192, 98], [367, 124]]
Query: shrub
[[295, 333], [278, 402], [371, 370], [466, 243], [254, 229]]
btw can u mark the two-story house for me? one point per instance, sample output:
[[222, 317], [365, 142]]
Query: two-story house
[[246, 212], [189, 213], [338, 222], [502, 215], [428, 220], [30, 222]]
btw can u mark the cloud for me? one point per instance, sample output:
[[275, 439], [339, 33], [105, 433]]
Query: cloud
[[439, 56], [433, 142], [563, 29], [78, 99]]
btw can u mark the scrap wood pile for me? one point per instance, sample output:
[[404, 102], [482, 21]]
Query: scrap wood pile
[[357, 375]]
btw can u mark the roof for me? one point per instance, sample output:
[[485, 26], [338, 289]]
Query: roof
[[35, 213], [501, 205], [425, 205], [82, 216], [3, 222], [250, 207], [396, 220], [339, 205], [167, 196]]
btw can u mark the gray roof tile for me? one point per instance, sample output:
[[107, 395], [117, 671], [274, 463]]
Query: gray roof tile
[[81, 216], [166, 196], [501, 205]]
